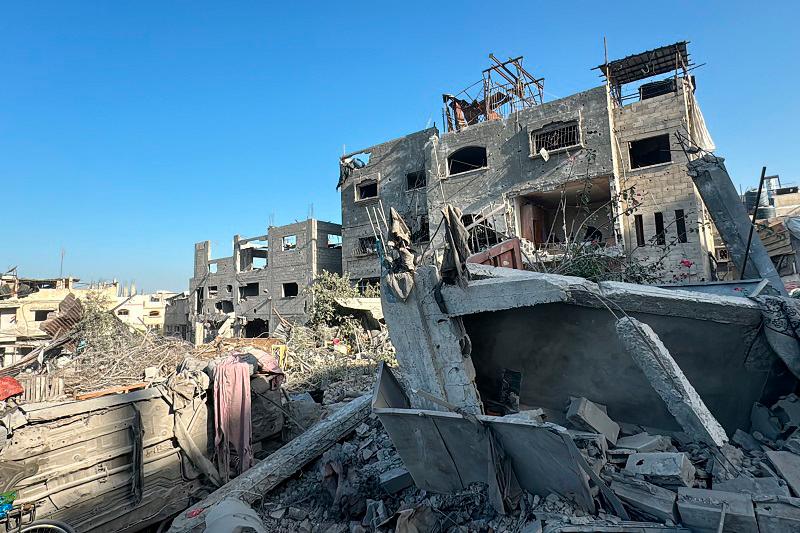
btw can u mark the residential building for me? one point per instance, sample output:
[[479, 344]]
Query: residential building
[[606, 165], [176, 316], [144, 311], [263, 283]]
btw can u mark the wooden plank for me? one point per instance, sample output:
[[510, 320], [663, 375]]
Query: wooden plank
[[276, 468], [111, 390]]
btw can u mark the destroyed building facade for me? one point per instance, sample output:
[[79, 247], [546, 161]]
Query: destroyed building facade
[[263, 283], [600, 166]]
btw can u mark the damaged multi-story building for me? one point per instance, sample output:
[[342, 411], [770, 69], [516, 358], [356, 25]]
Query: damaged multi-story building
[[606, 165], [263, 283]]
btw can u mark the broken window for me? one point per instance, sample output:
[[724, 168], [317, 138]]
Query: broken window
[[367, 189], [251, 289], [225, 306], [657, 88], [229, 288], [212, 268], [123, 312], [661, 237], [555, 137], [366, 245], [41, 315], [416, 180], [290, 290], [649, 151], [258, 327], [638, 223], [334, 241], [466, 159], [422, 232], [680, 225], [290, 242], [212, 291], [259, 262], [155, 313]]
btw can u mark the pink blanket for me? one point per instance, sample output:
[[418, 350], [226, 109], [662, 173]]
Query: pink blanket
[[232, 422]]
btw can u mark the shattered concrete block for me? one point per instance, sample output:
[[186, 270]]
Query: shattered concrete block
[[588, 416], [701, 511], [650, 500], [756, 486], [670, 469], [395, 480], [726, 463], [644, 442], [746, 441], [764, 421], [788, 411], [787, 465], [778, 514], [669, 381]]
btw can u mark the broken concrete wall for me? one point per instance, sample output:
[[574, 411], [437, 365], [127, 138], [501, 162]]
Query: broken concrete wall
[[512, 168], [663, 188], [389, 164]]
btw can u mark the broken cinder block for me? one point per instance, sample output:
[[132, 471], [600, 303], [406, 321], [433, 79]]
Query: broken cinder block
[[701, 510], [588, 416], [669, 381], [395, 480], [650, 500], [670, 469]]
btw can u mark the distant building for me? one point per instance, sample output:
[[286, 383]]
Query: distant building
[[176, 317], [144, 311], [263, 282], [25, 303]]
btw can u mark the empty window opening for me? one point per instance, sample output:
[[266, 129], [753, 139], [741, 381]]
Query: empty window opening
[[481, 231], [259, 262], [680, 225], [661, 238], [638, 223], [155, 313], [416, 180], [555, 138], [657, 88], [334, 241], [422, 232], [229, 288], [212, 291], [290, 242], [251, 289], [41, 316], [224, 306], [466, 159], [367, 189], [290, 290], [258, 327], [212, 268], [123, 312], [368, 285], [366, 245], [650, 151]]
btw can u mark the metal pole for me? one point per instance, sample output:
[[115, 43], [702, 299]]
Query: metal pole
[[753, 224]]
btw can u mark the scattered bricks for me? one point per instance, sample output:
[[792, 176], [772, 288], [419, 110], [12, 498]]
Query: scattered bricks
[[788, 411], [395, 480], [778, 514], [644, 442], [787, 465], [588, 416], [701, 510], [668, 469], [763, 421], [755, 486], [669, 381], [650, 500]]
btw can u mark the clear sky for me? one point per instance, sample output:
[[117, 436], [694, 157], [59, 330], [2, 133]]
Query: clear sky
[[131, 130]]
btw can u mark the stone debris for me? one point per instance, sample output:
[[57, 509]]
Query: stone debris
[[588, 416], [705, 510], [670, 469], [644, 442]]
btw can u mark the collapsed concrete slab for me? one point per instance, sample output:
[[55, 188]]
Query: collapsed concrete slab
[[650, 500], [711, 511], [455, 342], [447, 451], [667, 378], [668, 469], [778, 514]]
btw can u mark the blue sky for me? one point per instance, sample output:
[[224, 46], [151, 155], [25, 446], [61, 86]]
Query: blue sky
[[131, 130]]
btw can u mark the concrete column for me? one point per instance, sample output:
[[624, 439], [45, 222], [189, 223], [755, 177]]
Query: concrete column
[[731, 219]]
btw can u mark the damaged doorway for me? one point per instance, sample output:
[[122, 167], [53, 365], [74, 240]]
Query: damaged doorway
[[578, 212], [257, 327]]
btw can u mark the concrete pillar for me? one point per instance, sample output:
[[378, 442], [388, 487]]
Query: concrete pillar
[[731, 219]]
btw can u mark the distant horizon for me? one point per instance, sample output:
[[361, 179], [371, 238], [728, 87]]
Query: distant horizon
[[131, 132]]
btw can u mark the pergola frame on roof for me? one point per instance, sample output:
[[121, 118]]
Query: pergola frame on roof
[[670, 58]]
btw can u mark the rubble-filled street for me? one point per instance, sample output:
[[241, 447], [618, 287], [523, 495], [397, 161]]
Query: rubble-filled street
[[522, 312]]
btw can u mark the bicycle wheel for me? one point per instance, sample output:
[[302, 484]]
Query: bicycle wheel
[[46, 526]]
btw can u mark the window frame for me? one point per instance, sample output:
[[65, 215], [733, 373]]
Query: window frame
[[552, 127], [652, 165]]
